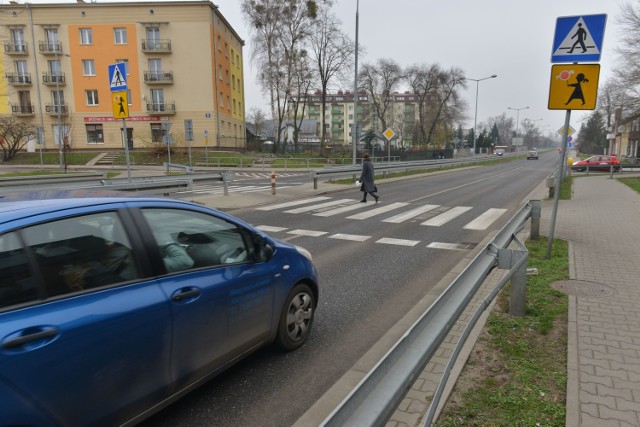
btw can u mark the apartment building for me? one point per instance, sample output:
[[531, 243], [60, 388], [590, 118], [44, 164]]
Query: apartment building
[[339, 118], [184, 72]]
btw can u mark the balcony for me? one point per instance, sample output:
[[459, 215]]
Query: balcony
[[54, 110], [336, 111], [50, 48], [22, 110], [15, 48], [16, 79], [50, 79], [165, 108], [156, 46], [158, 77]]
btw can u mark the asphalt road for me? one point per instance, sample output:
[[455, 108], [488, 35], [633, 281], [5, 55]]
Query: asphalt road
[[373, 268]]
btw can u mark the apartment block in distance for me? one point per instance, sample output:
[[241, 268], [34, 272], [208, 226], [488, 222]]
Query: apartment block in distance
[[184, 72]]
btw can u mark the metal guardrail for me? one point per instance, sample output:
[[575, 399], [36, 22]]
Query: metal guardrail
[[377, 395], [385, 168], [10, 181], [152, 184]]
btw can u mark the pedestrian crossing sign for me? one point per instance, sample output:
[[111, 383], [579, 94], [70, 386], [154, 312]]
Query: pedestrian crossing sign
[[117, 77], [574, 86], [578, 38]]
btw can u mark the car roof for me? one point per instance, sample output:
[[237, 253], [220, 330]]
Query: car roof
[[19, 205]]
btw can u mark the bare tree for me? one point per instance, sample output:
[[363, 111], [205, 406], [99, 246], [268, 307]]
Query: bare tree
[[332, 54], [423, 80], [280, 30], [447, 98], [256, 117], [611, 97], [14, 135], [380, 81], [628, 50], [504, 126]]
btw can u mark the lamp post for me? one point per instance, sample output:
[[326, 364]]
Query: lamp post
[[475, 117], [518, 116]]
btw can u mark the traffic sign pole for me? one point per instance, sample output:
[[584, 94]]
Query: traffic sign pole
[[118, 83], [559, 178]]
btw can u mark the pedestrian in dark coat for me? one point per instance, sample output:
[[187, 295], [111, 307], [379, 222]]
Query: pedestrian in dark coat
[[367, 179]]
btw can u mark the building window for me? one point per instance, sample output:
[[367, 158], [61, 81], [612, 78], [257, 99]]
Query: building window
[[91, 96], [17, 37], [157, 132], [120, 35], [129, 101], [95, 134], [88, 67], [157, 99], [228, 103], [221, 100], [86, 36]]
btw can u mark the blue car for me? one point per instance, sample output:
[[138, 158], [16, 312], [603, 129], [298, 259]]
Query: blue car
[[113, 307]]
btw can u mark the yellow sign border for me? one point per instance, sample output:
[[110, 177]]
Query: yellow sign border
[[572, 83], [120, 109]]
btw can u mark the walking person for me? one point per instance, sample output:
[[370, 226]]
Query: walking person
[[367, 179]]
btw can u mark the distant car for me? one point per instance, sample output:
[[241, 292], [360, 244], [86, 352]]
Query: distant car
[[532, 154], [599, 163], [500, 152], [111, 308]]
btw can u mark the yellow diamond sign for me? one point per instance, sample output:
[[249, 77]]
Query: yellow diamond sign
[[389, 134]]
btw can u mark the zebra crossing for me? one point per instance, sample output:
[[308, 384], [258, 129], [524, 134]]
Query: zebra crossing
[[429, 215], [266, 175], [218, 189]]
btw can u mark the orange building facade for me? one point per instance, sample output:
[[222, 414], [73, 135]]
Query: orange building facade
[[183, 65]]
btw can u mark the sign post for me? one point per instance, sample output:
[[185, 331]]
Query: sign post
[[389, 134], [573, 86], [120, 104]]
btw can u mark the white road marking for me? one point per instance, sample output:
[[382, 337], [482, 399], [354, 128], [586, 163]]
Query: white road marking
[[447, 216], [448, 246], [310, 233], [377, 211], [270, 229], [485, 220], [410, 214], [342, 209], [293, 203], [319, 206], [352, 237], [399, 242]]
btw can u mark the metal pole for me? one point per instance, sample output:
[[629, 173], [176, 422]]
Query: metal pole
[[475, 119], [58, 108], [556, 194], [354, 131], [126, 149]]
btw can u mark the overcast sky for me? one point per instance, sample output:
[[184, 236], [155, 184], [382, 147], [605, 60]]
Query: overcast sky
[[510, 38]]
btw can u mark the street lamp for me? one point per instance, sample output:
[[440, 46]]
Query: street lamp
[[518, 116], [475, 118]]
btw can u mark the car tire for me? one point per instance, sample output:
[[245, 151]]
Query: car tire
[[296, 318]]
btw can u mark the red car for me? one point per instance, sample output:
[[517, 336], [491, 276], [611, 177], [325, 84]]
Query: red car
[[601, 163]]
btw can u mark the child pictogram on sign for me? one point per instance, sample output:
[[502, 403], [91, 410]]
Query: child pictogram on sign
[[577, 89]]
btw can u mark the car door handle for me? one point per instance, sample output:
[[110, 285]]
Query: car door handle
[[191, 293], [25, 339]]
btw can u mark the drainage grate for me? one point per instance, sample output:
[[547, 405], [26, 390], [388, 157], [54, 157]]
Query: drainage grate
[[581, 288]]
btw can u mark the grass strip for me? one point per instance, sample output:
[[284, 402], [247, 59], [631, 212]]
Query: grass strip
[[517, 373]]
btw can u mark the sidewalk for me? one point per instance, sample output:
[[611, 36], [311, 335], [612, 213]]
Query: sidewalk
[[603, 387]]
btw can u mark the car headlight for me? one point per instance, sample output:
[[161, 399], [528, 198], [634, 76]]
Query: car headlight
[[302, 251]]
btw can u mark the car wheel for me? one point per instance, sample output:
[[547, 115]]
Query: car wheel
[[296, 318]]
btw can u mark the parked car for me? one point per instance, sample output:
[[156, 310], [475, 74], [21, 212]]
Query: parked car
[[601, 163], [111, 308], [532, 154]]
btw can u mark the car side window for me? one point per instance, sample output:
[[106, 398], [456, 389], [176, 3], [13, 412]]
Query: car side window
[[17, 283], [205, 239], [80, 253]]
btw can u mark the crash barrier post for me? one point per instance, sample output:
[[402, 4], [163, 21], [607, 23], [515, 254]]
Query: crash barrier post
[[273, 183]]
